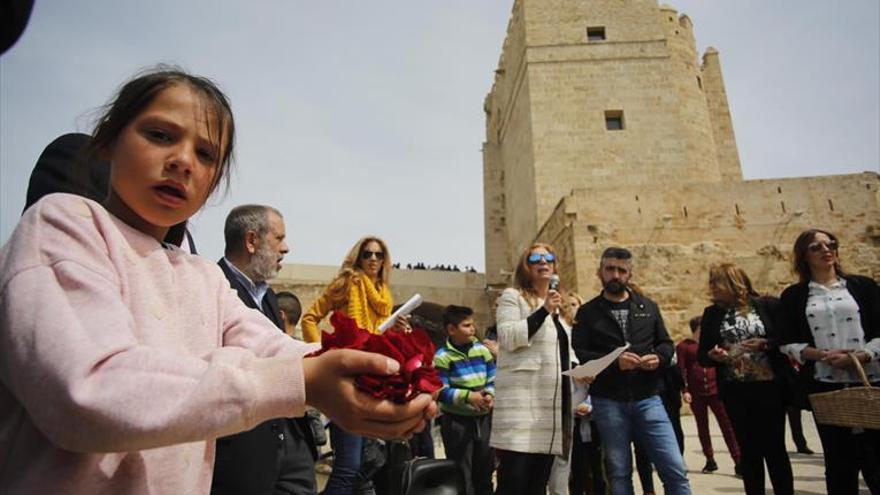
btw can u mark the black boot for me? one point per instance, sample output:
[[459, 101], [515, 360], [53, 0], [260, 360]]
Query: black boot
[[710, 466], [804, 449]]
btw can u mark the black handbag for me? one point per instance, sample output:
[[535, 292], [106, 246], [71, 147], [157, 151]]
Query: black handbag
[[424, 476], [316, 426]]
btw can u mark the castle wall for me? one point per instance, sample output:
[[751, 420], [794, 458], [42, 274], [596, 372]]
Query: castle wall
[[669, 185], [494, 216], [546, 113], [520, 194], [563, 22], [676, 233], [508, 156], [727, 154]]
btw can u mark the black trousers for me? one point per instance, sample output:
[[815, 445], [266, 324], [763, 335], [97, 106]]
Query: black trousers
[[797, 428], [275, 458], [644, 467], [757, 413], [847, 453], [587, 474], [296, 474], [672, 404], [466, 441], [522, 473]]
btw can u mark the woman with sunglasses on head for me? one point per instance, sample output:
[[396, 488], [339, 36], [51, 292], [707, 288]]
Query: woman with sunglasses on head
[[739, 338], [827, 316], [531, 421], [360, 291]]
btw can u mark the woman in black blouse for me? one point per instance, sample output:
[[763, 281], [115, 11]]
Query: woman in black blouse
[[738, 338], [826, 316]]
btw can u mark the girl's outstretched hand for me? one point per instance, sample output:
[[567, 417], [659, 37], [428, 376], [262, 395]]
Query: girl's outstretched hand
[[329, 381]]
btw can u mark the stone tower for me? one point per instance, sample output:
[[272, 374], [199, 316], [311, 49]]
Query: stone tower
[[603, 127], [592, 94]]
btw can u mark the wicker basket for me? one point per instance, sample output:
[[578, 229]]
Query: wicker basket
[[854, 407]]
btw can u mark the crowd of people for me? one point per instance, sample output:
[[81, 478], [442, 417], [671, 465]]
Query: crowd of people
[[157, 371], [439, 267]]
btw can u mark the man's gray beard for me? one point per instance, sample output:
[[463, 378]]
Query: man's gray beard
[[614, 288], [264, 264]]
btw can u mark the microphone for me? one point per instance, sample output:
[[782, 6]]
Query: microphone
[[554, 285]]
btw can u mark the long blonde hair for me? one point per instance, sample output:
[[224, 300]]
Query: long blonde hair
[[568, 313], [522, 280], [338, 288], [733, 279]]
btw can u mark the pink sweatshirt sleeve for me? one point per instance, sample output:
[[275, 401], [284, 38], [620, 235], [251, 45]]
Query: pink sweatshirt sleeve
[[71, 355]]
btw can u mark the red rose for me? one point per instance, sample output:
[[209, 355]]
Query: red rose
[[414, 352]]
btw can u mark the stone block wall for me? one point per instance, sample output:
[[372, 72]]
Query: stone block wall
[[546, 113], [677, 232]]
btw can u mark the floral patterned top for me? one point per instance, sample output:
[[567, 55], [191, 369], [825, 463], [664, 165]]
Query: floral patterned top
[[743, 365]]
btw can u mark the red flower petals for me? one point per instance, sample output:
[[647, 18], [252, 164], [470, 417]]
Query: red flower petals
[[414, 351]]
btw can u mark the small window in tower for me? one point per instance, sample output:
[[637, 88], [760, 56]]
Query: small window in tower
[[596, 33], [614, 120], [700, 82]]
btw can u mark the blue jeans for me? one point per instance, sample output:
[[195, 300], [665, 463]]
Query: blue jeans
[[346, 461], [619, 423]]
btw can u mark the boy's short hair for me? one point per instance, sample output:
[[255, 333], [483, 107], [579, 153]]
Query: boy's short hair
[[695, 323], [454, 315], [290, 305]]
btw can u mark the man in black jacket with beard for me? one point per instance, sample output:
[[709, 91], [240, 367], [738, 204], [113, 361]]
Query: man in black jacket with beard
[[626, 405], [278, 456]]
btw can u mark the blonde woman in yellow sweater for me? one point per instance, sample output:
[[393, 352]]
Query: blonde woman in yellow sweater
[[360, 290]]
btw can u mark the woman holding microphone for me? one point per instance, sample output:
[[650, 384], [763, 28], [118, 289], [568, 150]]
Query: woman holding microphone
[[532, 418]]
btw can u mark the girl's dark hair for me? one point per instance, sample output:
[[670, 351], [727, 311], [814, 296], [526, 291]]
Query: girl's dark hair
[[139, 92], [799, 254]]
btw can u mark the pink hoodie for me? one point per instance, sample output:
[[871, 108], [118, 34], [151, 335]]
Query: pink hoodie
[[122, 360]]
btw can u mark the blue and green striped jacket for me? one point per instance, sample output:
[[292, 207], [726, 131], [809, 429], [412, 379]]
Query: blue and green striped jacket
[[462, 373]]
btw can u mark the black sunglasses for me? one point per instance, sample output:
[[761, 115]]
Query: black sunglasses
[[379, 255], [817, 246]]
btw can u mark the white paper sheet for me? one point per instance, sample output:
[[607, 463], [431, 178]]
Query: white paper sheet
[[594, 367]]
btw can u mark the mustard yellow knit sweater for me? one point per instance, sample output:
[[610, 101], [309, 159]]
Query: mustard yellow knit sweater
[[366, 304]]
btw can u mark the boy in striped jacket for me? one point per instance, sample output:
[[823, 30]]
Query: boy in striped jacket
[[467, 369]]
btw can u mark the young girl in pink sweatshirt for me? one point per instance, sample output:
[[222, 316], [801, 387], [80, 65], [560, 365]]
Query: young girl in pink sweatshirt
[[121, 357]]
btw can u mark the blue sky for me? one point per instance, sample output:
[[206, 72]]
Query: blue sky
[[366, 117]]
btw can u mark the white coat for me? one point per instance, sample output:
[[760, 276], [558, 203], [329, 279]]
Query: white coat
[[528, 386]]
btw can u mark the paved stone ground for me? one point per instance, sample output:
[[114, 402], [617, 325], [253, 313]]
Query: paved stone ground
[[809, 470]]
